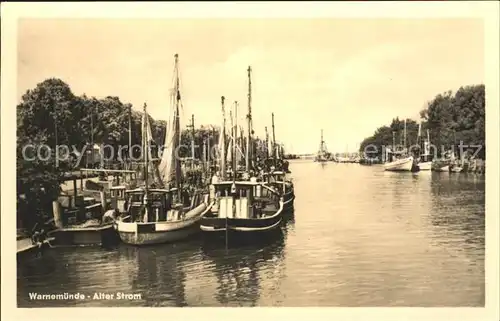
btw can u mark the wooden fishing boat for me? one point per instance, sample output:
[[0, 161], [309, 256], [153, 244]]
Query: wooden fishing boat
[[403, 164], [158, 215], [285, 187], [241, 208], [400, 161], [321, 156], [442, 168], [424, 164], [154, 216]]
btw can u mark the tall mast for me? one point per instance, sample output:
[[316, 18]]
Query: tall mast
[[321, 146], [92, 134], [145, 148], [129, 132], [249, 119], [393, 141], [404, 136], [177, 140], [192, 140], [223, 142], [274, 142], [267, 143], [235, 136]]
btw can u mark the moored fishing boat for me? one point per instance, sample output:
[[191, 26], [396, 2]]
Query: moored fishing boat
[[424, 164], [442, 168], [284, 186], [399, 161], [158, 215], [155, 217], [321, 156], [242, 208], [402, 164]]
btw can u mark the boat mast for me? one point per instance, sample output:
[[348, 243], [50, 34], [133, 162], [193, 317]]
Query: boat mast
[[267, 143], [145, 151], [274, 142], [192, 141], [235, 136], [177, 139], [249, 155], [404, 136], [321, 146], [223, 142], [129, 133], [233, 150]]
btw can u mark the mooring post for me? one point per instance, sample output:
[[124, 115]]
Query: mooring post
[[56, 208]]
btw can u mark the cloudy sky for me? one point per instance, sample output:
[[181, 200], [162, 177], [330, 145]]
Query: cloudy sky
[[345, 76]]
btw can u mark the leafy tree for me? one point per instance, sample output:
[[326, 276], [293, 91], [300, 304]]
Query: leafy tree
[[450, 119]]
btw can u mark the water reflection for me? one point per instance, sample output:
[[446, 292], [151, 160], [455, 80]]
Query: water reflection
[[241, 270]]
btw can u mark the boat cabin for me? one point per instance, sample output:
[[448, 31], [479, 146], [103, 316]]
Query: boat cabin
[[163, 204], [159, 201], [275, 177], [243, 199], [118, 198], [392, 156]]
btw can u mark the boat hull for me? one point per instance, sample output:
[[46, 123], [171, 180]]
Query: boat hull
[[400, 165], [243, 226], [288, 201], [445, 168], [84, 236], [137, 233], [425, 166]]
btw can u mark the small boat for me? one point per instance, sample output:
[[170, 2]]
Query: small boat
[[321, 156], [240, 207], [399, 160], [403, 164], [152, 218], [159, 215], [444, 168], [279, 181], [424, 164], [243, 208]]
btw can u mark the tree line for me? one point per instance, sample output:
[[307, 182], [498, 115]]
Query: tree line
[[452, 119]]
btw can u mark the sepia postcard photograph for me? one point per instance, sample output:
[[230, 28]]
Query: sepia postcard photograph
[[232, 155]]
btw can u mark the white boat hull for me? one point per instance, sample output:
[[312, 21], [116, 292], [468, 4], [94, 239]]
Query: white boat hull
[[425, 166], [138, 233], [456, 169], [443, 169], [400, 165]]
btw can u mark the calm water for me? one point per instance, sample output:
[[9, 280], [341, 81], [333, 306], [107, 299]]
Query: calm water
[[359, 236]]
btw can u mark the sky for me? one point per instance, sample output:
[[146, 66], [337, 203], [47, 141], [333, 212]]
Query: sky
[[345, 76]]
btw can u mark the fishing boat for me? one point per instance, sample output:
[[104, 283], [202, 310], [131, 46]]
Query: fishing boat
[[240, 207], [166, 214], [442, 168], [457, 166], [399, 161], [424, 164], [321, 156], [276, 177], [279, 182], [243, 207]]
